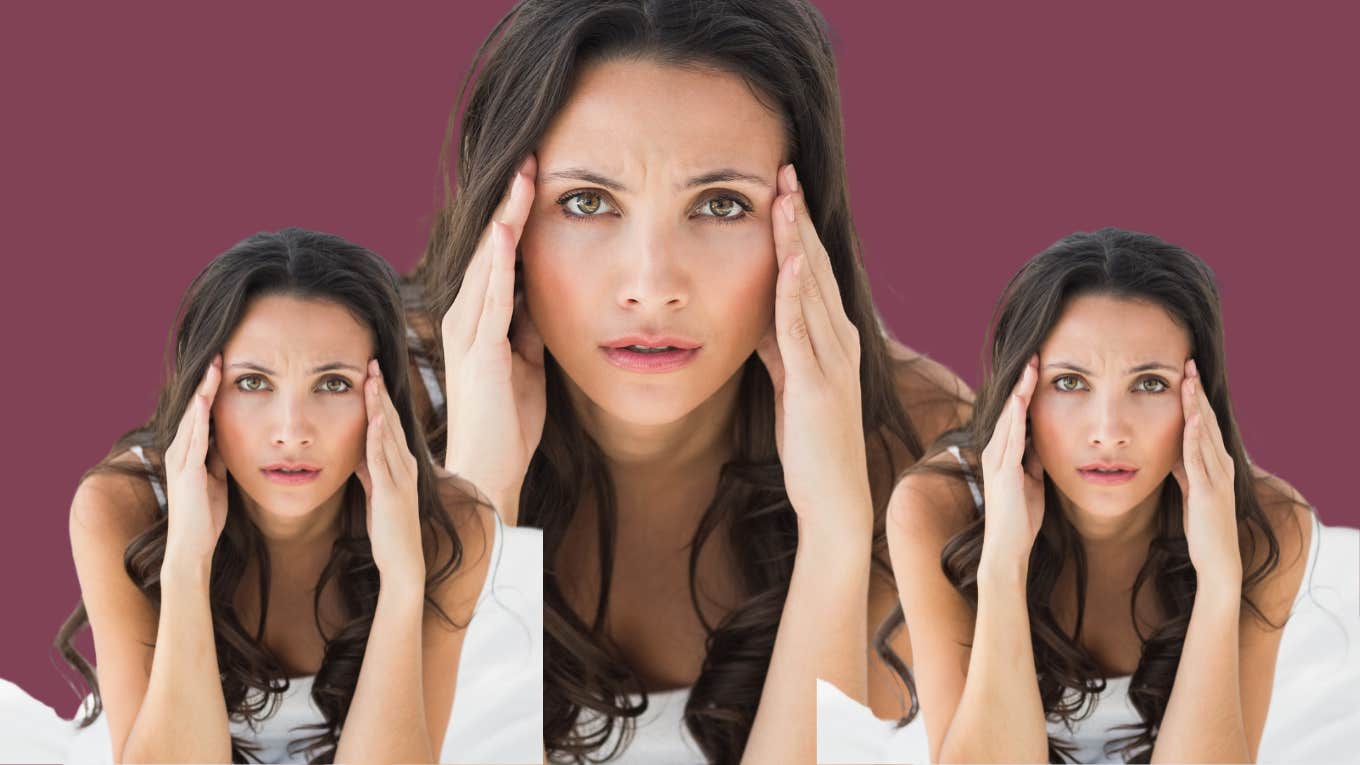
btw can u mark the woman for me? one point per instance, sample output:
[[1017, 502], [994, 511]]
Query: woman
[[270, 566], [1099, 521], [659, 347]]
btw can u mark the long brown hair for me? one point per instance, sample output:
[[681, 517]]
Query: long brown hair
[[306, 264], [521, 78], [1137, 266]]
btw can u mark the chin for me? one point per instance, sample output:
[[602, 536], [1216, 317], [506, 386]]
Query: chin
[[289, 502], [647, 403], [1108, 502]]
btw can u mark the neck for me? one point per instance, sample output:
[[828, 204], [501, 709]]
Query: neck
[[297, 539], [1117, 541], [642, 457]]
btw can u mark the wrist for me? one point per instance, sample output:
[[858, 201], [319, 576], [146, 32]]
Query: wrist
[[1002, 569], [182, 569], [848, 530]]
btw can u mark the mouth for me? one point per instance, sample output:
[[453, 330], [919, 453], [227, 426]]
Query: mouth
[[291, 474], [650, 354], [1107, 474]]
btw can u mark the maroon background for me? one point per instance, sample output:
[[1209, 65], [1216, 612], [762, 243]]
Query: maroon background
[[139, 143]]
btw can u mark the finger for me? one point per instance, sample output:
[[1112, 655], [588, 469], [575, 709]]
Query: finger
[[791, 329], [1191, 453], [1213, 432], [460, 323], [1019, 403], [498, 305], [826, 342], [525, 339], [196, 446], [375, 456], [391, 433], [819, 260], [768, 351]]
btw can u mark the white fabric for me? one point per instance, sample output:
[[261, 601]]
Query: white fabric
[[661, 736], [497, 714], [1314, 708]]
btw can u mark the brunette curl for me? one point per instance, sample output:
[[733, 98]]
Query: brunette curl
[[309, 265], [521, 78], [1135, 266]]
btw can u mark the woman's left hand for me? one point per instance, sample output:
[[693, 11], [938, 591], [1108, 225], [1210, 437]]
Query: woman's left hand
[[1205, 474], [388, 474], [812, 352]]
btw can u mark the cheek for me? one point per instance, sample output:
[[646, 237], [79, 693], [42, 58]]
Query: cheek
[[1051, 417], [343, 422], [1162, 427], [237, 425]]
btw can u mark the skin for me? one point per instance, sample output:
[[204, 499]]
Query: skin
[[1092, 393], [618, 231], [264, 399]]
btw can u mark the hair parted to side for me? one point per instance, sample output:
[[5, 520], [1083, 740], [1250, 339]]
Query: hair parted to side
[[521, 78], [1122, 264], [310, 265]]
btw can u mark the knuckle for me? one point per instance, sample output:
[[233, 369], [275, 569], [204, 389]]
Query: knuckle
[[798, 329]]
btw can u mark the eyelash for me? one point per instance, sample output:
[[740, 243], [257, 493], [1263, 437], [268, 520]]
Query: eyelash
[[1165, 386], [321, 386], [564, 200]]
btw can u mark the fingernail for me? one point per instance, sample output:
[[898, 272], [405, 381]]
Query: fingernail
[[793, 177], [527, 165], [1194, 368], [788, 209]]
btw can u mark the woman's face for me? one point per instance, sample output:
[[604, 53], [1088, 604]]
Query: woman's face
[[291, 399], [1106, 417], [651, 229]]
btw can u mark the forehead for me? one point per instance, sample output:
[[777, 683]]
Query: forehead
[[1099, 328], [626, 112], [287, 327]]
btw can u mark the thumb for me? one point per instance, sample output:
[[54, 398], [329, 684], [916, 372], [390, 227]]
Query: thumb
[[365, 479], [524, 336], [768, 351], [1178, 471]]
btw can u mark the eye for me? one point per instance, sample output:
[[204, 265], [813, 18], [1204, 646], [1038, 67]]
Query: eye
[[1068, 383], [335, 385], [584, 204], [251, 383], [1151, 385], [723, 208]]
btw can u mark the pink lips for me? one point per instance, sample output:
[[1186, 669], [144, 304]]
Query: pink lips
[[291, 473], [666, 353], [1107, 473]]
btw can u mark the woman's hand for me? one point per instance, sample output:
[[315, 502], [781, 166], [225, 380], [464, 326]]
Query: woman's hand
[[1012, 479], [1205, 474], [388, 474], [812, 352], [496, 397], [196, 478]]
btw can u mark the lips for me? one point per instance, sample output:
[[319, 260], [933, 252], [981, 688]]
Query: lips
[[1107, 473], [291, 473], [650, 353]]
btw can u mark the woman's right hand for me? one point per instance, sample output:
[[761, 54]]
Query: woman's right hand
[[495, 385], [196, 478], [1012, 479]]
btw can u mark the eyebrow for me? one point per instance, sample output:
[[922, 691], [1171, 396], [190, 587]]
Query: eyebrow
[[330, 367], [1151, 366], [722, 175]]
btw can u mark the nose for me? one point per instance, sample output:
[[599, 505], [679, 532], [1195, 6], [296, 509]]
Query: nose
[[1109, 425], [651, 271], [292, 423]]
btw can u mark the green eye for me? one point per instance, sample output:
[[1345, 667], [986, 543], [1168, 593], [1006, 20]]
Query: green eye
[[335, 385], [1068, 383], [723, 208], [584, 204], [1151, 385], [251, 383]]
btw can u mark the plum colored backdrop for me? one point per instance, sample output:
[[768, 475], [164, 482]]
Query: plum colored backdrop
[[140, 141]]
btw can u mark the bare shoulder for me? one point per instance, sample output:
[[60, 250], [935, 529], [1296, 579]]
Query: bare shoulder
[[932, 502], [475, 526], [934, 397], [1289, 518], [111, 506]]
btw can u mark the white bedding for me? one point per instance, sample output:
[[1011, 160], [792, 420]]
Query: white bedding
[[498, 706], [1314, 708]]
